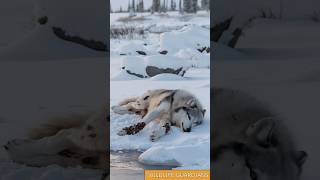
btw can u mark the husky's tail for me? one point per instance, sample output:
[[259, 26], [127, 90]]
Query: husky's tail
[[54, 125]]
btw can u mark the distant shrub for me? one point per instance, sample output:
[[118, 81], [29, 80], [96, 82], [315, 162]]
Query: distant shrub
[[267, 14], [131, 18], [126, 32]]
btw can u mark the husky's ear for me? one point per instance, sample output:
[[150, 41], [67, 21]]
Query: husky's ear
[[300, 157], [166, 96], [261, 131]]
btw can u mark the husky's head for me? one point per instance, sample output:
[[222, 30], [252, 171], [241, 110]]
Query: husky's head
[[187, 117], [265, 156]]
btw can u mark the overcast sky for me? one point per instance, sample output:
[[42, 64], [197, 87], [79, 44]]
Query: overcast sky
[[115, 4]]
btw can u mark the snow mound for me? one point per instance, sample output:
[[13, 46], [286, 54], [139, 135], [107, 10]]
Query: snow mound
[[123, 75], [167, 61], [167, 77], [137, 66], [85, 22], [201, 61], [128, 48], [191, 36], [88, 20], [134, 64], [222, 52], [189, 152]]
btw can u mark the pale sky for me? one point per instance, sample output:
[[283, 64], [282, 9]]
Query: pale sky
[[115, 4]]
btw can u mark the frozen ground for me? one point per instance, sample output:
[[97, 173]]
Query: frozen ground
[[278, 62], [163, 32]]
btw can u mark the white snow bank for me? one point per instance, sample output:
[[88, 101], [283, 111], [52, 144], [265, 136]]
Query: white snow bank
[[201, 61], [189, 151], [167, 61], [191, 36], [134, 64], [42, 44], [167, 77], [88, 20], [85, 21], [122, 75], [222, 52], [128, 47], [138, 64]]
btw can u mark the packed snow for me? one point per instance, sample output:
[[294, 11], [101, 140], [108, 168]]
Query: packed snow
[[165, 49]]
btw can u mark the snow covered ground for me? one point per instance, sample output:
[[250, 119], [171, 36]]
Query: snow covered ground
[[278, 62], [181, 36]]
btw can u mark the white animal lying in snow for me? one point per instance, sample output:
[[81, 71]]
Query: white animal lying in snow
[[249, 142], [165, 107], [70, 141]]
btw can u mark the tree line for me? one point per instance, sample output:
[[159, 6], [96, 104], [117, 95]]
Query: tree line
[[163, 6]]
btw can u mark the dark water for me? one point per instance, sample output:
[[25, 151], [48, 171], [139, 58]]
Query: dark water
[[125, 166], [129, 160]]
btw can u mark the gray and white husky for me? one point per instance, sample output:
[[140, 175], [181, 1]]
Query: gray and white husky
[[69, 141], [249, 142], [165, 107]]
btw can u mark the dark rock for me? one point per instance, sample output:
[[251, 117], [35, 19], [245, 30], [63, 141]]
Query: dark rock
[[202, 49], [141, 53], [135, 74], [92, 44], [164, 52], [153, 71]]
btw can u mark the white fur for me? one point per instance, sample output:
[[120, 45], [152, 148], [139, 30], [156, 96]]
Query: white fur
[[250, 140], [163, 106]]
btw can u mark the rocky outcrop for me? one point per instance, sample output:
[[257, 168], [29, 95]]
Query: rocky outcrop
[[92, 44]]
